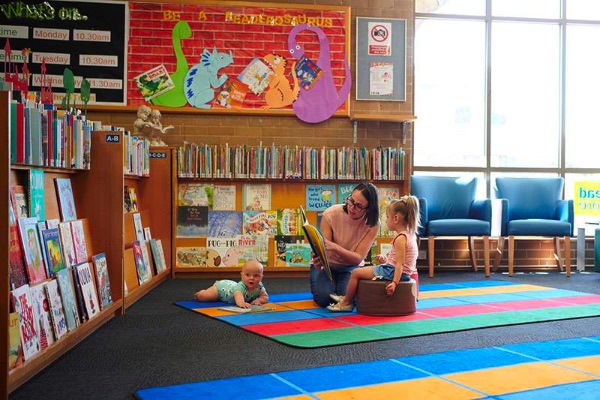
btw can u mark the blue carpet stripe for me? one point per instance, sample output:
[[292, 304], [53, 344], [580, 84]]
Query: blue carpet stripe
[[310, 381]]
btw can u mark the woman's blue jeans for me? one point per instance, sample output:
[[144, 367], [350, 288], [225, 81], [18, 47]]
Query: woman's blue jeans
[[321, 287]]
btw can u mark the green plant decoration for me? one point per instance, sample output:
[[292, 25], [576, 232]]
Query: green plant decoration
[[85, 95], [69, 85]]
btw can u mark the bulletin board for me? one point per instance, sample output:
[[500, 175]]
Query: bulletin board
[[380, 59], [180, 44]]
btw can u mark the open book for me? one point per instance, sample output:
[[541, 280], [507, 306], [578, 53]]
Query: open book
[[317, 243], [254, 308]]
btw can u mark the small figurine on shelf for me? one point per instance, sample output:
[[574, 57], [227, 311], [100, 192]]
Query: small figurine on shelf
[[148, 124]]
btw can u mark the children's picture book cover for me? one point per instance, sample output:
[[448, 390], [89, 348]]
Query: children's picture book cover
[[320, 197], [57, 314], [252, 247], [102, 280], [133, 199], [146, 256], [289, 221], [137, 224], [53, 249], [79, 243], [78, 295], [308, 72], [231, 94], [32, 250], [386, 195], [222, 251], [154, 82], [256, 76], [190, 257], [192, 221], [19, 201], [15, 357], [66, 238], [158, 255], [281, 242], [317, 243], [224, 198], [18, 274], [42, 311], [88, 290], [28, 322], [195, 194], [36, 202], [41, 227], [298, 255], [224, 223], [65, 284], [126, 199], [66, 201], [345, 190], [143, 270], [260, 222], [256, 196]]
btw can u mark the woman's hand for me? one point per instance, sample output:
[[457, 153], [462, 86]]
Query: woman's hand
[[316, 261], [390, 288]]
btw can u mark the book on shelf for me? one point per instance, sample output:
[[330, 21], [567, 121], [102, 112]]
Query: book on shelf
[[127, 207], [83, 316], [320, 197], [42, 311], [53, 248], [66, 239], [52, 223], [224, 198], [308, 72], [18, 274], [143, 270], [67, 294], [257, 222], [41, 227], [192, 221], [289, 221], [15, 351], [66, 202], [195, 194], [221, 251], [88, 289], [18, 199], [138, 226], [17, 132], [79, 243], [386, 195], [241, 310], [28, 322], [133, 198], [102, 280], [256, 196], [36, 201], [146, 256], [317, 243], [193, 257], [158, 255], [281, 242], [32, 250], [147, 233], [345, 190], [298, 255], [57, 313], [224, 223]]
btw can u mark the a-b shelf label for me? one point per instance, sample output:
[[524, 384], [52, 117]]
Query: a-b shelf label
[[113, 138]]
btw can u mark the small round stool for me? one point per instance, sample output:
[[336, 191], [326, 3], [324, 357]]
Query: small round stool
[[372, 300]]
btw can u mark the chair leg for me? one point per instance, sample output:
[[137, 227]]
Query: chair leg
[[486, 254], [430, 247], [499, 251], [471, 241], [511, 254], [568, 255], [557, 255]]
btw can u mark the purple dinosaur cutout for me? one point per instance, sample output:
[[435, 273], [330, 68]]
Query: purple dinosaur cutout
[[322, 100]]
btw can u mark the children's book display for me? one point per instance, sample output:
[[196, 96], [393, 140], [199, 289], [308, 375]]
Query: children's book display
[[192, 221], [19, 201], [194, 257], [28, 321], [102, 280], [32, 250], [36, 194], [79, 243], [42, 312], [53, 248], [65, 284], [158, 255], [57, 313], [88, 289], [143, 269], [66, 201]]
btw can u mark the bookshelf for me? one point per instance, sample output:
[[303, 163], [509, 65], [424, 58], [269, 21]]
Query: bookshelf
[[98, 200], [154, 205], [285, 193]]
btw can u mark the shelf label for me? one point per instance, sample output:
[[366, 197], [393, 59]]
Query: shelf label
[[113, 138], [154, 154]]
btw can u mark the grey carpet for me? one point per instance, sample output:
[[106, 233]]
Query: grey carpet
[[157, 343]]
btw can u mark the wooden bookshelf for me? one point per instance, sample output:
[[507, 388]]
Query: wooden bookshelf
[[98, 200], [154, 205]]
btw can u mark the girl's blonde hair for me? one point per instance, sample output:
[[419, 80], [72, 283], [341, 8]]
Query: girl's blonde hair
[[408, 207]]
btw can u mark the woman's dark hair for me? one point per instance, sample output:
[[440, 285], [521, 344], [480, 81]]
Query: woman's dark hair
[[369, 192]]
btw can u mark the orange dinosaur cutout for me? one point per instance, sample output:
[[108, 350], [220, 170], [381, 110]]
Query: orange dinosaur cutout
[[280, 92]]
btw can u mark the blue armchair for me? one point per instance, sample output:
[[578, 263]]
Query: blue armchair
[[449, 209], [534, 207]]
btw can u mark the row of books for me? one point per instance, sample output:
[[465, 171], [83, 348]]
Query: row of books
[[289, 162], [41, 134], [136, 155]]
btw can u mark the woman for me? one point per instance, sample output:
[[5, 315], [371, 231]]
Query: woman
[[349, 230]]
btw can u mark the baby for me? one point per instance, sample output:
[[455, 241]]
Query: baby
[[245, 293]]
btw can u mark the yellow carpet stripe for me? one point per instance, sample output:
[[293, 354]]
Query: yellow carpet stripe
[[434, 294]]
